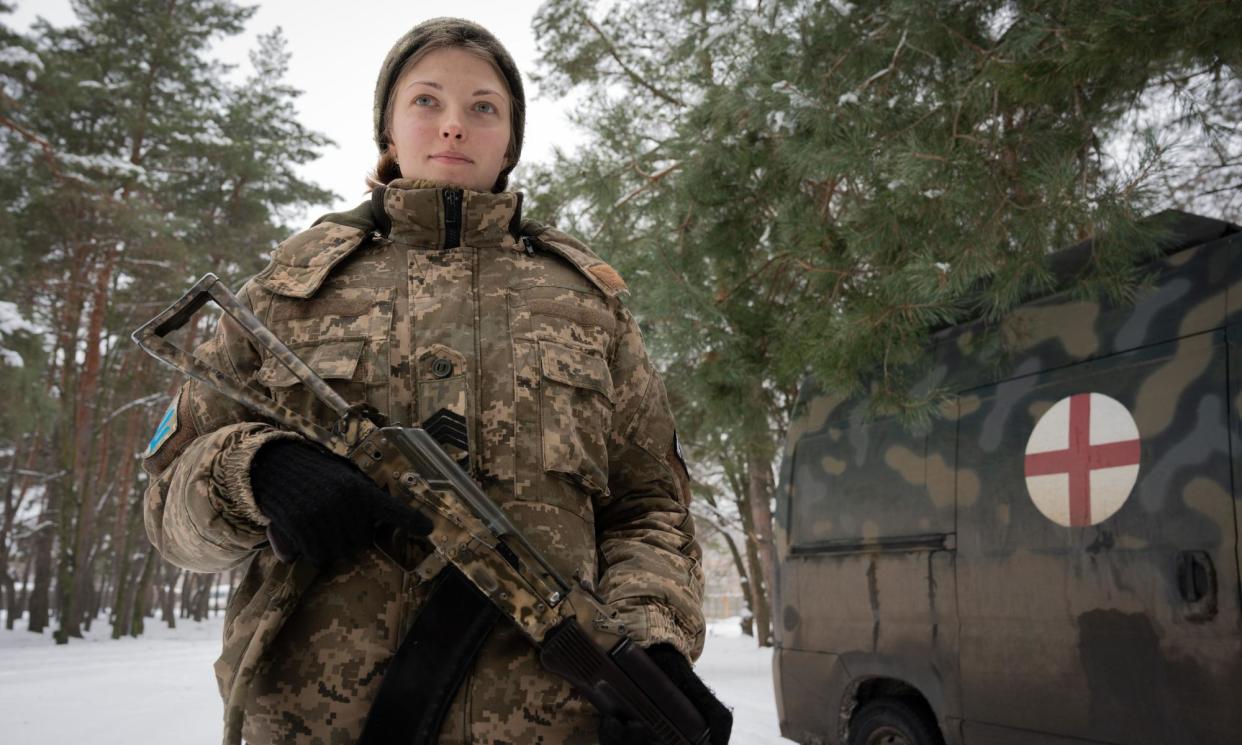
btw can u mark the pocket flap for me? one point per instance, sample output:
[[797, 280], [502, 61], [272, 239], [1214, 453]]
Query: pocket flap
[[575, 367], [336, 359]]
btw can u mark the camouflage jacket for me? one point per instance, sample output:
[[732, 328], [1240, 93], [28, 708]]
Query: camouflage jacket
[[569, 430]]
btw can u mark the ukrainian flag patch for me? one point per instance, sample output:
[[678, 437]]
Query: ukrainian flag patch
[[166, 428]]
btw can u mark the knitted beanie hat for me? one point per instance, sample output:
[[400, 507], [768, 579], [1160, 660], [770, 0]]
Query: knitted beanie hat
[[450, 32]]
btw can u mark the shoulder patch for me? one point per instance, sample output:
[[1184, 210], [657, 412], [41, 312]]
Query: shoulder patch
[[174, 433], [301, 264], [606, 274], [598, 271], [165, 429]]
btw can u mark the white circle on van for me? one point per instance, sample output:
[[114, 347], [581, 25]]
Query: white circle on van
[[1082, 459]]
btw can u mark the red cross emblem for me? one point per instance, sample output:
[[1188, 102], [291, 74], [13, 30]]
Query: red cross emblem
[[1082, 459]]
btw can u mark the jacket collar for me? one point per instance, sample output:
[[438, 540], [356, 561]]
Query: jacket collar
[[430, 215]]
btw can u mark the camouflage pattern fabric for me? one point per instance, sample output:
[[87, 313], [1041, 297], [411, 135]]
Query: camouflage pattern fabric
[[569, 430], [948, 576]]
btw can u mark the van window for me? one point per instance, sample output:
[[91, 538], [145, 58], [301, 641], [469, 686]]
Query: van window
[[857, 483]]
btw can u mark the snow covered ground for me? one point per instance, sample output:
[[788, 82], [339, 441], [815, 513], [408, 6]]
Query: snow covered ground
[[160, 688]]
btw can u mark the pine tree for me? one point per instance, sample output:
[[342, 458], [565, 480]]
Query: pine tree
[[813, 187], [132, 163]]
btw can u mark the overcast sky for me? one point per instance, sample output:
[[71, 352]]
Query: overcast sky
[[337, 49]]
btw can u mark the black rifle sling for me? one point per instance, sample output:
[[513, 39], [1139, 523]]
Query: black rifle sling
[[431, 663]]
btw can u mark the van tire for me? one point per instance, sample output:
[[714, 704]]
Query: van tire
[[893, 721]]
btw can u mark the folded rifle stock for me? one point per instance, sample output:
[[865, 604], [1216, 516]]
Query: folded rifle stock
[[577, 635]]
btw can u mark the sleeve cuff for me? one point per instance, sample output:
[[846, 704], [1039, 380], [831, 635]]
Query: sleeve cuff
[[233, 474], [654, 623]]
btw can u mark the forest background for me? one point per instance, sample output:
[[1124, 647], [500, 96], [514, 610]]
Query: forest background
[[792, 188]]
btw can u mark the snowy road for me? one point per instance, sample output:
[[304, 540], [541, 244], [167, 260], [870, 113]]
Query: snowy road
[[160, 688]]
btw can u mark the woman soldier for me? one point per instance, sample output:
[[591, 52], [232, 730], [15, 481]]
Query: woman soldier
[[437, 305]]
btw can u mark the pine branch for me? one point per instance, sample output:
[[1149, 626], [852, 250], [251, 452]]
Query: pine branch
[[723, 297], [892, 65], [629, 71], [652, 180], [49, 153]]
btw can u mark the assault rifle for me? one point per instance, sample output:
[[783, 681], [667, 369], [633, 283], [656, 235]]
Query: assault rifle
[[578, 637]]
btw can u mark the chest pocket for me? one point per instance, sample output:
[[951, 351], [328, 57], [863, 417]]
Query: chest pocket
[[341, 334], [337, 361], [575, 411]]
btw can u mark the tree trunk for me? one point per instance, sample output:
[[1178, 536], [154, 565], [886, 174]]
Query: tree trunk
[[65, 498], [202, 596], [8, 539], [120, 614], [216, 604], [141, 592], [123, 613], [95, 582], [92, 582], [759, 487], [120, 545], [8, 591], [189, 586], [120, 538], [21, 600], [66, 561], [40, 595], [737, 474], [123, 600], [98, 593], [760, 623], [38, 603], [10, 595], [168, 594], [76, 574], [87, 602], [739, 564], [105, 592]]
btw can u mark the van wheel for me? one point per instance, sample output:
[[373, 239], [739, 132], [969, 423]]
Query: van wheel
[[893, 721]]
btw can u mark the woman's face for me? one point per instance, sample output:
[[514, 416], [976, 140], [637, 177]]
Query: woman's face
[[450, 120]]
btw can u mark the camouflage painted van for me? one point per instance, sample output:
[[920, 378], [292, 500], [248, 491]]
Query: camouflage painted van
[[1055, 561]]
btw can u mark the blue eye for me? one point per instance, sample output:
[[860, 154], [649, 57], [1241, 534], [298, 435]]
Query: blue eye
[[424, 100], [485, 107]]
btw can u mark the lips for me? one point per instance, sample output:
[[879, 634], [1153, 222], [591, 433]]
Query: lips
[[450, 158]]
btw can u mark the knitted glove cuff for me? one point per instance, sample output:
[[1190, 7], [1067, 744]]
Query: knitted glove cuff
[[232, 470], [287, 471]]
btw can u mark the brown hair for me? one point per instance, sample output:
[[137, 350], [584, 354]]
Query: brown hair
[[386, 167]]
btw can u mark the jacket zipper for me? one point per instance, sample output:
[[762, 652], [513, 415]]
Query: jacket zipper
[[452, 218]]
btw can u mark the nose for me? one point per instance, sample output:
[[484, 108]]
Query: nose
[[451, 129]]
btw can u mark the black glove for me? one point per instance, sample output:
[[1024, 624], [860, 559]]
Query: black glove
[[320, 505], [614, 731]]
